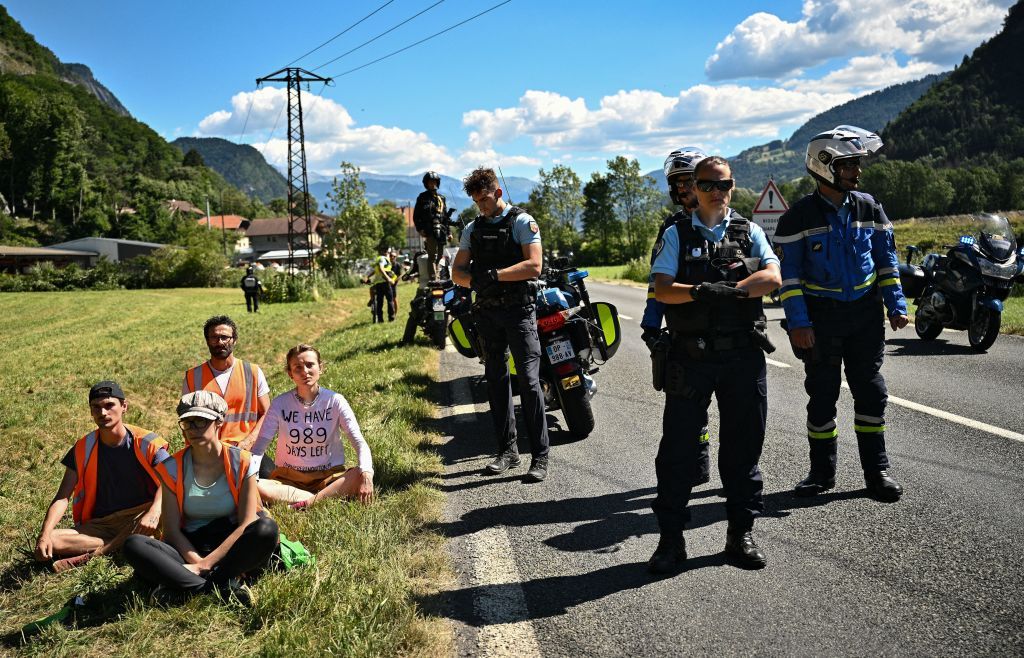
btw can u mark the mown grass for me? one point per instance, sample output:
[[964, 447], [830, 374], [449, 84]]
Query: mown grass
[[931, 233], [372, 562]]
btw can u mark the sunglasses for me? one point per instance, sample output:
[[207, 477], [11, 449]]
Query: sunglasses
[[194, 423], [723, 185]]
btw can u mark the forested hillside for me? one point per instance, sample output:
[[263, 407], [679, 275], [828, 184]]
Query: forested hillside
[[72, 164], [976, 116], [240, 164]]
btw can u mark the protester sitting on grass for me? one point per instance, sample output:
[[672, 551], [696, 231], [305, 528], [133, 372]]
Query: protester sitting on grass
[[308, 422], [110, 473], [214, 530]]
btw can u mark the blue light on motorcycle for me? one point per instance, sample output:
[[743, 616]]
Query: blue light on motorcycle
[[967, 240], [577, 275], [449, 295]]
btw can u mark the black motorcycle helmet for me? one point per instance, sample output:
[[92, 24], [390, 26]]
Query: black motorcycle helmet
[[432, 175]]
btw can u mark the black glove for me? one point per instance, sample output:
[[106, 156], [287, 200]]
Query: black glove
[[650, 336], [717, 292], [482, 282]]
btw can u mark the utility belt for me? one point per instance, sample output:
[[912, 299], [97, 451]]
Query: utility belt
[[672, 348], [512, 298], [817, 303]]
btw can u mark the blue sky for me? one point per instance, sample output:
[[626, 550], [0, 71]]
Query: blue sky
[[531, 84]]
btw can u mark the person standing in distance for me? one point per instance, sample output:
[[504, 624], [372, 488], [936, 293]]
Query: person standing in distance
[[838, 254], [430, 218], [252, 287], [711, 274], [499, 256], [678, 168]]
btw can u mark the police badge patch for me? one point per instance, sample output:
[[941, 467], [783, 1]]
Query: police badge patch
[[696, 252], [533, 227], [658, 246]]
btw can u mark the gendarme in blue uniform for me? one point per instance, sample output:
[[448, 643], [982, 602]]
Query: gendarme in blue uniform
[[836, 264], [712, 354]]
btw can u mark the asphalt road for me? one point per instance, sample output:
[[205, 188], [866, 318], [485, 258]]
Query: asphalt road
[[559, 568]]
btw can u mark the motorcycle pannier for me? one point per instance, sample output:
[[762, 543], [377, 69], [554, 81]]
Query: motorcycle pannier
[[463, 335], [606, 319]]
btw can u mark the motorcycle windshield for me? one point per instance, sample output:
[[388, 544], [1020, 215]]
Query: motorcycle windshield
[[995, 236]]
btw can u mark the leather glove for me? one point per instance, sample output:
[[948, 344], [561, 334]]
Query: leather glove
[[484, 281], [717, 292]]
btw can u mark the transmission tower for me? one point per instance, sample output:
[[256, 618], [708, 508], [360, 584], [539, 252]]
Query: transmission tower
[[298, 181]]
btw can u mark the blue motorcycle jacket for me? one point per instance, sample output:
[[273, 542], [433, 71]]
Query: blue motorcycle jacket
[[837, 253], [654, 311]]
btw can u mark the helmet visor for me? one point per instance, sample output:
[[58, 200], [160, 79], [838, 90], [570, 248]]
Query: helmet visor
[[866, 140]]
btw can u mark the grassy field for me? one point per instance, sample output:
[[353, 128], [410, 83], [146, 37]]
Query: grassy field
[[931, 233], [372, 562]]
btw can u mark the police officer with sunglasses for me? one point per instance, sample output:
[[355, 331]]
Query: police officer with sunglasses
[[711, 274]]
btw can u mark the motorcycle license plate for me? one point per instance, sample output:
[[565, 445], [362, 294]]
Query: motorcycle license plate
[[560, 350], [438, 304]]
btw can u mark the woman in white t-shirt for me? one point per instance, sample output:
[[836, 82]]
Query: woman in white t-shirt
[[308, 422]]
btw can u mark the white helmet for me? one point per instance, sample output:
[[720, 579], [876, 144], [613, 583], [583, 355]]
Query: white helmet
[[681, 161], [840, 143]]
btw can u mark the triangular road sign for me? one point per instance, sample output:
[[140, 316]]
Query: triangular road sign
[[770, 202]]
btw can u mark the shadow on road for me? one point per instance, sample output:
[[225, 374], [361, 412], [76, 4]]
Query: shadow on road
[[918, 347]]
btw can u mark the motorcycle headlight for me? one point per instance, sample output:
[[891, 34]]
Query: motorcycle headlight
[[996, 270]]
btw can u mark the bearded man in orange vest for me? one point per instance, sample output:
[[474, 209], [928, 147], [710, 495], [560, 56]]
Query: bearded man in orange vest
[[242, 385], [110, 474]]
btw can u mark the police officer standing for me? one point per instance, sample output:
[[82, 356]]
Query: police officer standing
[[252, 287], [678, 168], [430, 217], [499, 256], [838, 253], [711, 274], [382, 280]]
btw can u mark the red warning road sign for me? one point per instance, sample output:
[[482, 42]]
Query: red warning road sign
[[769, 207]]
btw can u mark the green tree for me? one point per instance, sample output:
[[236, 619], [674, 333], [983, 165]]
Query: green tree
[[392, 225], [908, 189], [637, 203], [193, 159], [600, 226], [557, 204], [356, 231]]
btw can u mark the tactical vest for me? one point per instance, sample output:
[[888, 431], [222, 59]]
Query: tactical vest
[[250, 283], [493, 247], [702, 261]]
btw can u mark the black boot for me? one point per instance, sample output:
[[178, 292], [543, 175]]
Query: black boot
[[815, 483], [742, 550], [538, 470], [670, 555], [504, 461], [881, 486]]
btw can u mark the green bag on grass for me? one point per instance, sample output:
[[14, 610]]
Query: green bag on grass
[[293, 554]]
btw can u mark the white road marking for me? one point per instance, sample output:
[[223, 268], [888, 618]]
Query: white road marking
[[500, 602], [625, 317], [938, 413], [450, 347]]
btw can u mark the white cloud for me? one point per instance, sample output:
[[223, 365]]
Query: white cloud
[[866, 74], [938, 32], [647, 122]]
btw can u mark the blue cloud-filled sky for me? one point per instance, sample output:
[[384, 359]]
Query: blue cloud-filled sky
[[530, 84]]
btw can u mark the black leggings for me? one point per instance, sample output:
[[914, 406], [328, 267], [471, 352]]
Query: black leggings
[[160, 563]]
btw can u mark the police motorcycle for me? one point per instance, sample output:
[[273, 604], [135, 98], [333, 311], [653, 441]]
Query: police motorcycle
[[966, 288], [429, 308], [576, 336]]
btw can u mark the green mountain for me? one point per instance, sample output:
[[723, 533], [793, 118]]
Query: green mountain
[[976, 115], [240, 164], [74, 163], [20, 54], [785, 159]]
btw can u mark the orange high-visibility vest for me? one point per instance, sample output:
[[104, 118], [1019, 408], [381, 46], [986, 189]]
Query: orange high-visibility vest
[[236, 465], [243, 403], [83, 499]]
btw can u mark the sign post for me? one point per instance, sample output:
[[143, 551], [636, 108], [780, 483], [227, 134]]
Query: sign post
[[769, 208]]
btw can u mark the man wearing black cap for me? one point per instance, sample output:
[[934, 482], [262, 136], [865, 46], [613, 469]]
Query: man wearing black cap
[[110, 475]]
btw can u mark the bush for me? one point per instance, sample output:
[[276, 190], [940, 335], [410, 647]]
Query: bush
[[637, 269], [46, 277], [279, 288]]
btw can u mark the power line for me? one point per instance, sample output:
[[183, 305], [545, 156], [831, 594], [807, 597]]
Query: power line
[[436, 34], [341, 33], [388, 31], [245, 123]]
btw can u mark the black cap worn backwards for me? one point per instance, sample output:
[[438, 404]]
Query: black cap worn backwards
[[106, 389]]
